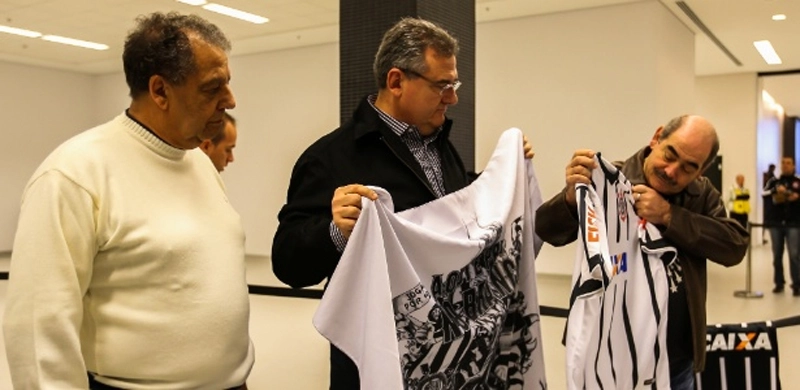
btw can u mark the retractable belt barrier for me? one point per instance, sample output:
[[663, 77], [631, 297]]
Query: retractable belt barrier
[[743, 356]]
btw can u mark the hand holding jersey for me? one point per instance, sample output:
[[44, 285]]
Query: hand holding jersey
[[579, 170], [346, 206], [650, 205]]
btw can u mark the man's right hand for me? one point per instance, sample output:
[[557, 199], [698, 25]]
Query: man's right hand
[[579, 170], [346, 206]]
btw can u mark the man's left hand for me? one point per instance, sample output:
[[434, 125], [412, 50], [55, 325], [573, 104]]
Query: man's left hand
[[651, 206], [527, 149]]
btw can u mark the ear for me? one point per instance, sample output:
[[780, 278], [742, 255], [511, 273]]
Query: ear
[[656, 137], [159, 91], [394, 81], [206, 145]]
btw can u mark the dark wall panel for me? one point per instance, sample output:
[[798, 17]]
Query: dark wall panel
[[361, 27]]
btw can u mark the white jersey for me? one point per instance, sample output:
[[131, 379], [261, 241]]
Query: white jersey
[[443, 296], [617, 327]]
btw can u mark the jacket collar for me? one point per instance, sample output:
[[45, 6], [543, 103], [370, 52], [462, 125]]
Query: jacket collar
[[367, 121], [634, 171]]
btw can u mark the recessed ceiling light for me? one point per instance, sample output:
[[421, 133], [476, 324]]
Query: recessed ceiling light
[[19, 31], [779, 17], [193, 2], [767, 52], [75, 42], [235, 13]]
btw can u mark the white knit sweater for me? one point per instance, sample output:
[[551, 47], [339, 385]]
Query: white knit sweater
[[128, 262]]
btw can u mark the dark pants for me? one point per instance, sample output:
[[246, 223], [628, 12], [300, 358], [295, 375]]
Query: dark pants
[[741, 218], [682, 378], [791, 236], [95, 385], [344, 373]]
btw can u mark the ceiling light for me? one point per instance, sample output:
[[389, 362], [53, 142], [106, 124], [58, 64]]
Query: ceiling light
[[779, 17], [75, 42], [767, 52], [19, 31], [193, 2], [235, 13]]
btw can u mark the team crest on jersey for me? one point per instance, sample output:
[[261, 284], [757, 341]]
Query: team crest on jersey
[[622, 206]]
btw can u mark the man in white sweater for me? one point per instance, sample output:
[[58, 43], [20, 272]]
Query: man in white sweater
[[128, 263]]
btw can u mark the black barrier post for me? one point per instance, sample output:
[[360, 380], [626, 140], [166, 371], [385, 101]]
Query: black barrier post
[[748, 292]]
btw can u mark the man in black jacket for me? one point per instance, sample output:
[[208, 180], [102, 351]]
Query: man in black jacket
[[784, 223], [397, 140]]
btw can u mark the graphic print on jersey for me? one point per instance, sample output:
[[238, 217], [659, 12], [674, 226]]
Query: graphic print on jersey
[[616, 329], [476, 333], [443, 296]]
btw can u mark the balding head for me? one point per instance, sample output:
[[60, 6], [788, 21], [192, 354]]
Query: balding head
[[680, 151], [698, 130]]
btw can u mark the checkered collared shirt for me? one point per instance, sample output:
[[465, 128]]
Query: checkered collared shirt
[[424, 151]]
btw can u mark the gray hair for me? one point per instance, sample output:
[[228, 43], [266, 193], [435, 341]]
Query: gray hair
[[403, 47], [159, 45], [678, 122]]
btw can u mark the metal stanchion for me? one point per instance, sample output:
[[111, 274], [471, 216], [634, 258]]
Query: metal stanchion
[[748, 292]]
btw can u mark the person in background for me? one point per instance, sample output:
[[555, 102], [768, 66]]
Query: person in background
[[766, 202], [397, 139], [128, 265], [769, 173], [220, 148], [784, 224], [671, 193], [739, 200]]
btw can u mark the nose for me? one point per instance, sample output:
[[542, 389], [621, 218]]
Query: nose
[[450, 97], [228, 101], [671, 170], [230, 157]]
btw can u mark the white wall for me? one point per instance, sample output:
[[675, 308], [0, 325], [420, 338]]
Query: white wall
[[603, 84], [112, 96], [40, 109], [601, 78], [730, 102], [285, 100]]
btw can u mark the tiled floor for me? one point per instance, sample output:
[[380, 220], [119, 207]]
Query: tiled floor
[[291, 355]]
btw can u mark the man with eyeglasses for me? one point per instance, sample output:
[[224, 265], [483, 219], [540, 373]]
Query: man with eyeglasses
[[670, 192], [397, 140]]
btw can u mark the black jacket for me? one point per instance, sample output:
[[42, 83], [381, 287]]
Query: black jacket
[[364, 151], [782, 212]]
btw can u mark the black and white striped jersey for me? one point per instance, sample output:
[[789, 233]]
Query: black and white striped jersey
[[616, 334]]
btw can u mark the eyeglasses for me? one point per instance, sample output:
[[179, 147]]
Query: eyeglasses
[[440, 86]]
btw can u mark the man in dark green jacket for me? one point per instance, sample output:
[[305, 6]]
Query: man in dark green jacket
[[670, 192]]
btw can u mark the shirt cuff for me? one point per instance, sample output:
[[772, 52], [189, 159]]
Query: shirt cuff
[[337, 237]]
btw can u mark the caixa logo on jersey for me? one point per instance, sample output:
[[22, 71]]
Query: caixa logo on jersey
[[738, 341]]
